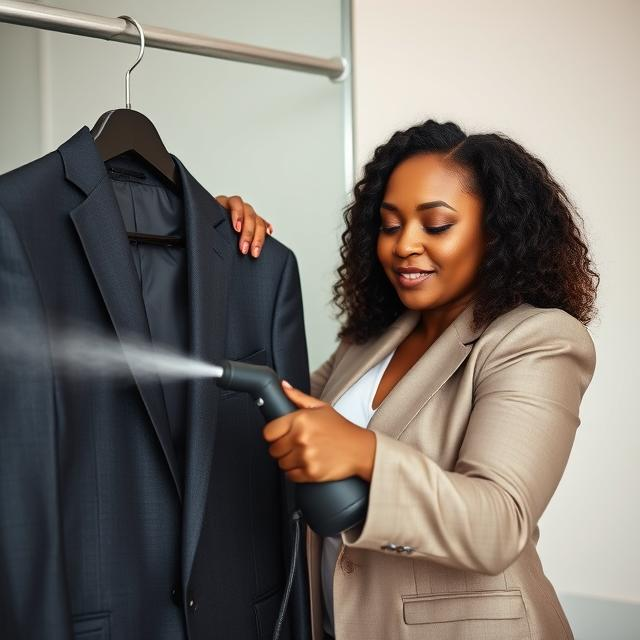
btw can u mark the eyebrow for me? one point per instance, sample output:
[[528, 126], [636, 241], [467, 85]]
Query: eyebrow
[[420, 207]]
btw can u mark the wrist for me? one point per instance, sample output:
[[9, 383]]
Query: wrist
[[365, 455]]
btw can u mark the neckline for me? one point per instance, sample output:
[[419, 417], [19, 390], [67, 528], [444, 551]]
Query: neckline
[[382, 367]]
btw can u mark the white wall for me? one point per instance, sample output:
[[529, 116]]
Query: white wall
[[563, 78], [19, 97]]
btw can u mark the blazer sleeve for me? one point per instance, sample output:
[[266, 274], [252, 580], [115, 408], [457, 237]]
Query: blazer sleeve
[[33, 596], [520, 432], [289, 342], [291, 363]]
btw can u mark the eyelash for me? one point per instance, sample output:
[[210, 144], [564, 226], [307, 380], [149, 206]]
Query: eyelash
[[431, 230]]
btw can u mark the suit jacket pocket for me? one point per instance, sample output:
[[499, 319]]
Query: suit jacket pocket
[[92, 626], [471, 614], [266, 609], [255, 357]]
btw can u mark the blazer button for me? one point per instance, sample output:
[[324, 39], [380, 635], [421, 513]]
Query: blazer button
[[175, 596], [191, 603], [405, 549], [388, 547]]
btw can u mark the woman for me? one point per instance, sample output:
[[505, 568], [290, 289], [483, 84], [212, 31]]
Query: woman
[[465, 285]]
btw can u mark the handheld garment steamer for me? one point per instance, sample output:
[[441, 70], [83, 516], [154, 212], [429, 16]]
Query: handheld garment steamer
[[328, 507]]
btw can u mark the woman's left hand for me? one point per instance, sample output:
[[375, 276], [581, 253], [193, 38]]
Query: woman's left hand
[[244, 219], [317, 444]]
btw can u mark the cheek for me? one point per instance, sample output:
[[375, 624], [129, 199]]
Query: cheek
[[384, 249], [460, 255]]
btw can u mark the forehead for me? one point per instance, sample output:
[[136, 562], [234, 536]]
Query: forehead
[[426, 177]]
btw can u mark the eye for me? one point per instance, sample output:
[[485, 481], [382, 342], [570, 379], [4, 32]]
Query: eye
[[437, 230], [430, 230], [388, 230]]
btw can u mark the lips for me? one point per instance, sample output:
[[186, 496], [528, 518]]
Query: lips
[[412, 276]]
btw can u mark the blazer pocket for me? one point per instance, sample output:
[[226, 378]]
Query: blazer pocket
[[453, 607], [256, 357], [92, 626], [266, 609]]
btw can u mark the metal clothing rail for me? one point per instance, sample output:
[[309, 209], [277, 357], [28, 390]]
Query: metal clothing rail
[[31, 14]]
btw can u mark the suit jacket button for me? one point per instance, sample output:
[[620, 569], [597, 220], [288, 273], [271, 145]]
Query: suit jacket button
[[175, 596], [191, 603]]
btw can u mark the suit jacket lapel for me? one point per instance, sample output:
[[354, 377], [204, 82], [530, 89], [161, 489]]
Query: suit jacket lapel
[[209, 271], [102, 233]]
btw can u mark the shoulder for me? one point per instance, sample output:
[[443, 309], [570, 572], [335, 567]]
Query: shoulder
[[25, 190], [530, 324], [274, 253], [536, 337]]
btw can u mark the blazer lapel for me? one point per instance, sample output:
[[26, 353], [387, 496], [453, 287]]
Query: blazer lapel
[[358, 359], [427, 375], [414, 390], [209, 271], [102, 233]]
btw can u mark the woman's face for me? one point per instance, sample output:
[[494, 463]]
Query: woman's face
[[430, 243]]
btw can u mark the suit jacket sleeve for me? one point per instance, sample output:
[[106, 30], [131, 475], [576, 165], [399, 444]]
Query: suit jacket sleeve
[[520, 432], [291, 363], [33, 597]]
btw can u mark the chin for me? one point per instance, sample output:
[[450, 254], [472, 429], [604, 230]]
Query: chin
[[416, 302]]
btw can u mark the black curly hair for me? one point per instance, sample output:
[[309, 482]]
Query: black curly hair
[[535, 250]]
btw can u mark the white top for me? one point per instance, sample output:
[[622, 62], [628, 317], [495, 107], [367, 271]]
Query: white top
[[355, 405]]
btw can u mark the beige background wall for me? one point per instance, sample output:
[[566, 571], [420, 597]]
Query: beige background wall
[[563, 78]]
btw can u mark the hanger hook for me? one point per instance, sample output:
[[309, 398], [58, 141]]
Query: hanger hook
[[138, 26]]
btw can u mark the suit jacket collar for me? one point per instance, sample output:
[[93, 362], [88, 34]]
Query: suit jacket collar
[[427, 375], [101, 231]]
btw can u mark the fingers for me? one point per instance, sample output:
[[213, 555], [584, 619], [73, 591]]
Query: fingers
[[235, 206], [258, 236], [248, 229], [290, 460], [277, 428], [244, 219], [298, 475], [300, 399]]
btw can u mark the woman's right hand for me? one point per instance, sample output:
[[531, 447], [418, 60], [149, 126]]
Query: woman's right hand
[[244, 219]]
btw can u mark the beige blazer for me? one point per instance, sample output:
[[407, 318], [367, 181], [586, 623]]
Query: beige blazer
[[471, 444]]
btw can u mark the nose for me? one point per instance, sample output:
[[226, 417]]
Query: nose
[[409, 241]]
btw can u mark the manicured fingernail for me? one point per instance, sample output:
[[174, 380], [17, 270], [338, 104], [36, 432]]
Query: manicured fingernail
[[238, 225], [245, 247], [286, 384], [255, 252]]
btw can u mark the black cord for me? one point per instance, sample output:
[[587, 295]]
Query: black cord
[[295, 516]]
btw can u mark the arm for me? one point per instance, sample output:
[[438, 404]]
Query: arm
[[480, 515], [33, 597]]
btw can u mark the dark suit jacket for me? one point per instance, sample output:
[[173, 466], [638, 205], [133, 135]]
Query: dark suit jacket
[[101, 536]]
